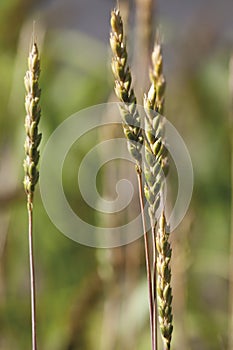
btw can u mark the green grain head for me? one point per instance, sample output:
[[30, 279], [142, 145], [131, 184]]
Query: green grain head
[[156, 164], [124, 91], [33, 112]]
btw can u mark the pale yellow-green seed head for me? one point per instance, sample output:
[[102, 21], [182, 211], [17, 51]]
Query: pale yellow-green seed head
[[123, 88], [33, 112]]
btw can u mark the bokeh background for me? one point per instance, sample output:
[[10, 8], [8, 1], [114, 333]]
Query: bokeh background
[[94, 298]]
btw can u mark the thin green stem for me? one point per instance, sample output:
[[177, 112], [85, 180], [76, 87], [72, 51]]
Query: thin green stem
[[231, 254], [154, 286], [147, 257], [32, 276], [230, 335]]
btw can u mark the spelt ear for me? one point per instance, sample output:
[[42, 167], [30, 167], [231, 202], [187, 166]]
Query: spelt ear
[[155, 169], [124, 91], [156, 164], [132, 127], [33, 112]]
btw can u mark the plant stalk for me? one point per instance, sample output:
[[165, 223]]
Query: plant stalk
[[32, 276], [154, 285], [230, 335]]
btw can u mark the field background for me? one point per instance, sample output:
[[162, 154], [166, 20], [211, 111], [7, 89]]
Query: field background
[[97, 299]]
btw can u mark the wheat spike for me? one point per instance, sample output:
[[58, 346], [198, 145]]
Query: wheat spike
[[123, 89], [156, 164], [155, 169], [131, 124], [33, 112]]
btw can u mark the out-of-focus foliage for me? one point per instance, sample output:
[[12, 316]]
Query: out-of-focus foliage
[[76, 286]]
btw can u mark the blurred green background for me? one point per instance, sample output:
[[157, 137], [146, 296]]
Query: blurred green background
[[94, 298]]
